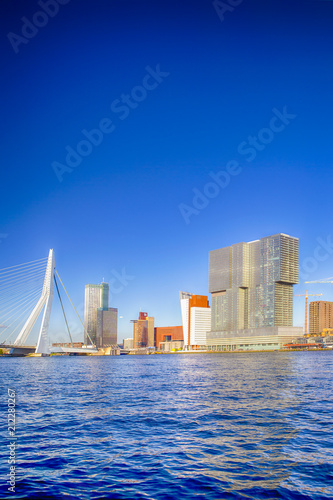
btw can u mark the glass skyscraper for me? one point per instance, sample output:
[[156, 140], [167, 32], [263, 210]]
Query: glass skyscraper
[[252, 291], [96, 296]]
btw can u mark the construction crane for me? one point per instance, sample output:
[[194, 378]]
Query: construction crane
[[307, 295]]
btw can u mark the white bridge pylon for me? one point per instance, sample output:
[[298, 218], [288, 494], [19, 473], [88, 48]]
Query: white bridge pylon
[[44, 300]]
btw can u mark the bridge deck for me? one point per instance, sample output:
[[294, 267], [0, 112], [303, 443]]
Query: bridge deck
[[80, 350], [12, 346], [55, 350]]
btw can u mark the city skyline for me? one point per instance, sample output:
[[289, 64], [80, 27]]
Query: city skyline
[[220, 133], [242, 254], [138, 137]]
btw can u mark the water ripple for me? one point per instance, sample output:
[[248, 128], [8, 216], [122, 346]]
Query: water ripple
[[249, 426]]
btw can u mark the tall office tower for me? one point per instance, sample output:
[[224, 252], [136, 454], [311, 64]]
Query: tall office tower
[[143, 331], [252, 293], [107, 324], [96, 296], [320, 316], [196, 317]]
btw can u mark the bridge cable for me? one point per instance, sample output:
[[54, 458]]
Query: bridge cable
[[19, 303], [19, 324], [20, 286], [63, 310], [2, 271], [74, 307], [11, 289]]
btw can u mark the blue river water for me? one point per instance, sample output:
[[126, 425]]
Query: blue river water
[[178, 426]]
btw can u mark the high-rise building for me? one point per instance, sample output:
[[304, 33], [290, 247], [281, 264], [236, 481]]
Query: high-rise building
[[107, 322], [143, 332], [196, 318], [252, 293], [96, 296], [320, 316]]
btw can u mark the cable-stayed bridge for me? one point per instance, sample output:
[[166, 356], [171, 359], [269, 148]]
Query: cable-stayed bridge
[[26, 294]]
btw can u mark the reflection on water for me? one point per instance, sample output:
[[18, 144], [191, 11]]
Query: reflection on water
[[202, 425]]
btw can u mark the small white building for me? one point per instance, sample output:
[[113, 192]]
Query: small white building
[[128, 344]]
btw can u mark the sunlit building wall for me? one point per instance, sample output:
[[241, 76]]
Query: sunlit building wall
[[96, 296], [107, 324], [252, 288], [168, 334], [143, 331], [128, 344], [196, 316], [320, 316]]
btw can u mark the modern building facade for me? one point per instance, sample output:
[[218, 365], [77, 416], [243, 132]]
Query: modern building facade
[[196, 319], [100, 322], [143, 331], [128, 344], [320, 316], [168, 337], [252, 294], [172, 345], [107, 323]]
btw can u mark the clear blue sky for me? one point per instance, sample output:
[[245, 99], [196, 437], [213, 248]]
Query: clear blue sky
[[220, 79]]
